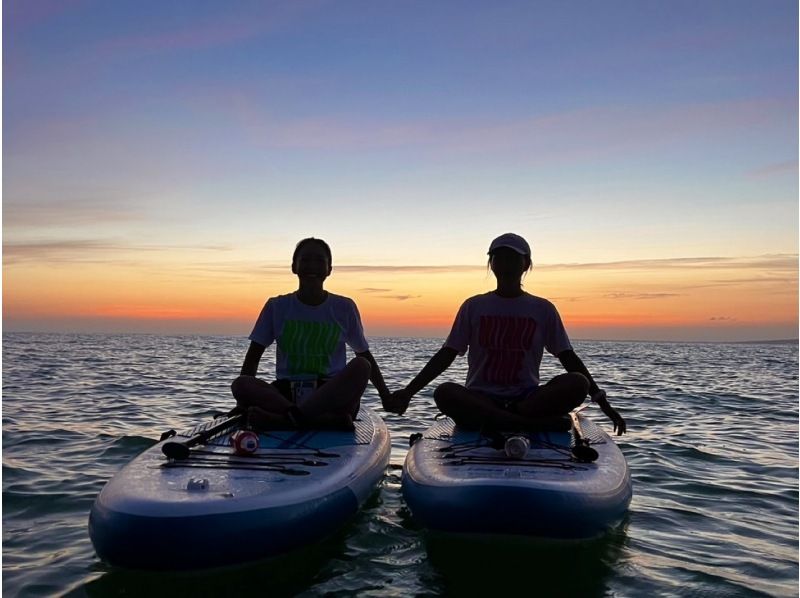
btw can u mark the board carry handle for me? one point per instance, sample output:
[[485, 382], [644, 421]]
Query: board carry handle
[[581, 451], [180, 450]]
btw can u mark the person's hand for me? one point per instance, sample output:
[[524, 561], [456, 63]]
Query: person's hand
[[620, 427], [398, 401], [384, 393]]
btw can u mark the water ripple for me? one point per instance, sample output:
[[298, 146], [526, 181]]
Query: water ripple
[[712, 448]]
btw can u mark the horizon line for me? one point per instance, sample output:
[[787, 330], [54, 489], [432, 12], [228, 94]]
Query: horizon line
[[787, 341]]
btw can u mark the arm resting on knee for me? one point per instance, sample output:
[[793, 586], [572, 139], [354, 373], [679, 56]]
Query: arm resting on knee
[[572, 363]]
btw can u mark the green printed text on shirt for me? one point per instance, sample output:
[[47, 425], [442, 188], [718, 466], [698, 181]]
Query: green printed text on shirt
[[309, 346]]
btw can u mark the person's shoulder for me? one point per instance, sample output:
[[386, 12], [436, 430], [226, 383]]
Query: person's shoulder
[[538, 301], [480, 298], [341, 300], [282, 299]]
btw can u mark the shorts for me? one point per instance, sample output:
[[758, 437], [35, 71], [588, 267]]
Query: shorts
[[509, 402], [285, 387]]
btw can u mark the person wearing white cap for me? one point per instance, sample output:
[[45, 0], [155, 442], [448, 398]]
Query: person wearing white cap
[[504, 334]]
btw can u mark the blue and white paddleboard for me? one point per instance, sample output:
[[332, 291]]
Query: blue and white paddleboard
[[457, 480], [215, 508]]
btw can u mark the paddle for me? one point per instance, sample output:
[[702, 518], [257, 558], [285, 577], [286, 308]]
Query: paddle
[[581, 451], [180, 450]]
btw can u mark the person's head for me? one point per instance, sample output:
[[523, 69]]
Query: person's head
[[312, 256], [510, 254]]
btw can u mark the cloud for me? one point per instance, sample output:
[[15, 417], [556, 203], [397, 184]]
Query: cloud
[[86, 250], [25, 14], [783, 261], [722, 319], [47, 213], [618, 295], [416, 268], [221, 29], [383, 296], [638, 296], [57, 251], [590, 132], [401, 297], [194, 37], [772, 269], [787, 283], [776, 169], [567, 299]]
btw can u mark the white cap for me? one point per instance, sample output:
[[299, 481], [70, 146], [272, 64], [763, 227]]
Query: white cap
[[512, 241]]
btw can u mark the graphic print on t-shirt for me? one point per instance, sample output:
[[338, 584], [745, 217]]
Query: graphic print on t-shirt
[[309, 346], [505, 340]]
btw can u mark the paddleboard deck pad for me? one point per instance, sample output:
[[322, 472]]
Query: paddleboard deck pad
[[216, 508], [457, 480]]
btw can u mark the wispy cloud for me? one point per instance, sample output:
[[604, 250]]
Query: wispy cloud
[[776, 169], [763, 269], [24, 14], [640, 296], [47, 213], [591, 131], [58, 251], [381, 293], [87, 250], [194, 37], [415, 268], [781, 261], [778, 271], [224, 28], [722, 319], [401, 297], [567, 298]]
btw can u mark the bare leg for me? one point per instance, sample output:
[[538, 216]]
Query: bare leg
[[474, 410], [250, 391], [333, 405], [558, 397], [267, 420], [342, 393]]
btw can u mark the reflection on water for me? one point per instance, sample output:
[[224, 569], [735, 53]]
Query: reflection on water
[[287, 575], [505, 566]]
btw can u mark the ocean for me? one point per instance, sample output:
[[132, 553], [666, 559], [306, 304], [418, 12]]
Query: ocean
[[712, 444]]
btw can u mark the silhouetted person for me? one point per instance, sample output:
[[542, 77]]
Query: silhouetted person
[[315, 386], [506, 332]]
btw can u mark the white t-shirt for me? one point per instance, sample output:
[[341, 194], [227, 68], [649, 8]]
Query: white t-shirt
[[311, 338], [506, 338]]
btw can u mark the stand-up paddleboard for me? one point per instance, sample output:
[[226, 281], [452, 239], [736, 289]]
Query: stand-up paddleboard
[[457, 480], [208, 506]]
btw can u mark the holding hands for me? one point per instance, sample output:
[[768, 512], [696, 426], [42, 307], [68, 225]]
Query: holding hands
[[397, 402]]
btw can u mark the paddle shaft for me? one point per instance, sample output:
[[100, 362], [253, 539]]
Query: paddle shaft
[[180, 450]]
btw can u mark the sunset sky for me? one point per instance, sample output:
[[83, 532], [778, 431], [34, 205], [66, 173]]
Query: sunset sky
[[161, 160]]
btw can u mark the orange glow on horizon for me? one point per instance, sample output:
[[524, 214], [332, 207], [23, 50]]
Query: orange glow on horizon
[[398, 303]]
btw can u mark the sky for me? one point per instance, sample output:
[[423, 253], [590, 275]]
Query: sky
[[162, 159]]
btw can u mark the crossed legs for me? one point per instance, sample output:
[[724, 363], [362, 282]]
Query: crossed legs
[[333, 404], [542, 408]]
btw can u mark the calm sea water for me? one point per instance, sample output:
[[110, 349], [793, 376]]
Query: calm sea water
[[712, 444]]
